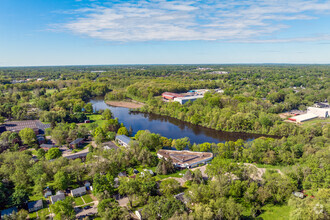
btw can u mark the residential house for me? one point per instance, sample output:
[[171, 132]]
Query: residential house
[[41, 139], [35, 205], [8, 211], [78, 192], [123, 140], [46, 147], [58, 197], [77, 143], [185, 159], [81, 155], [109, 145]]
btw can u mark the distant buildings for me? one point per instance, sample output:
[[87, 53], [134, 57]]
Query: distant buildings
[[81, 155], [46, 147], [302, 118], [313, 112], [171, 95], [186, 159], [320, 112], [183, 100], [77, 143], [17, 126], [123, 140]]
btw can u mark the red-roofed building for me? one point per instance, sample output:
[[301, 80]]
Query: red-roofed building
[[171, 95]]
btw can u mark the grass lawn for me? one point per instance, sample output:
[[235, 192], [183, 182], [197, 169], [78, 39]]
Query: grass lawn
[[87, 198], [78, 201], [50, 91], [44, 212], [36, 197], [95, 118], [315, 121], [178, 174], [33, 215], [271, 212], [89, 204]]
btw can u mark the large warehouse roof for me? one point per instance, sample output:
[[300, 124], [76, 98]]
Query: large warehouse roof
[[304, 117]]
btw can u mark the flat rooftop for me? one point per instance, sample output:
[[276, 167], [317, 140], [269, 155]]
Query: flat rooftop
[[185, 157], [16, 126], [191, 97]]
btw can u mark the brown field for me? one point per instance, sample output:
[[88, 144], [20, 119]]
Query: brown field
[[125, 104]]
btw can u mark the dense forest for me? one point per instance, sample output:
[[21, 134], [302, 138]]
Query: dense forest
[[257, 179]]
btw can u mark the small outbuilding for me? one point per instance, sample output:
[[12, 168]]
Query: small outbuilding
[[78, 192], [47, 193], [299, 194], [35, 205]]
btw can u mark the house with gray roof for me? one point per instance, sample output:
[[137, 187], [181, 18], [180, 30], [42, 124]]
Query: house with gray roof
[[123, 140], [35, 205], [78, 192], [77, 143], [58, 197], [8, 211]]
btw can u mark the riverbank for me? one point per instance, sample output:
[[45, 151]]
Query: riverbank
[[125, 104]]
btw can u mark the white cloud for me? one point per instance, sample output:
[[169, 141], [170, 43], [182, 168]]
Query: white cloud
[[162, 20]]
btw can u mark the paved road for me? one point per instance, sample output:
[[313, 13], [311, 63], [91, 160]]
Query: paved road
[[83, 212]]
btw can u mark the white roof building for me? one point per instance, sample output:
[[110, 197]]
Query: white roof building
[[320, 112], [183, 100], [304, 117]]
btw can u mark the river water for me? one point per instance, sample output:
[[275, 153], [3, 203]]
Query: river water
[[170, 127]]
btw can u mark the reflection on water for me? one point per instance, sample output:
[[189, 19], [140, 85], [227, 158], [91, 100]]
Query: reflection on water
[[170, 127]]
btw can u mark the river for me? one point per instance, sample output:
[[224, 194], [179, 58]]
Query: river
[[170, 127]]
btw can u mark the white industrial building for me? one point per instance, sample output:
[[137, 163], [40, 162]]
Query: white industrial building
[[183, 100], [320, 112], [304, 117]]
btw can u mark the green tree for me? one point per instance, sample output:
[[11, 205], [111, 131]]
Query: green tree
[[53, 153], [103, 184], [107, 114], [28, 136], [122, 131], [169, 187], [110, 209], [89, 108], [64, 209], [165, 166], [20, 196], [61, 180]]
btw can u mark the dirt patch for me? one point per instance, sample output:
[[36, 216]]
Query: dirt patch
[[125, 104]]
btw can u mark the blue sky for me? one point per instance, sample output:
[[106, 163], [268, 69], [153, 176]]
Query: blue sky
[[91, 32]]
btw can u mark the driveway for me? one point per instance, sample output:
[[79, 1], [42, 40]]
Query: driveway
[[84, 212]]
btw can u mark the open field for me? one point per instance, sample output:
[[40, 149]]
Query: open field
[[316, 121], [275, 212]]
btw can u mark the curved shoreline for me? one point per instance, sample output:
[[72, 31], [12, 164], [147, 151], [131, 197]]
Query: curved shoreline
[[125, 104]]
